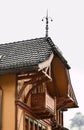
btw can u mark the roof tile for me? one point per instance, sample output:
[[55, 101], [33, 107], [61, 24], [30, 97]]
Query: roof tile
[[26, 53]]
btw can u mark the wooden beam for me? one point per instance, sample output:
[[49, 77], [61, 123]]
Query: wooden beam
[[47, 75], [31, 81], [62, 103], [34, 79], [24, 86], [24, 107], [55, 103], [38, 83], [29, 75]]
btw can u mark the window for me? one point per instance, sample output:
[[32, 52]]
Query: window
[[33, 125], [0, 109], [39, 89]]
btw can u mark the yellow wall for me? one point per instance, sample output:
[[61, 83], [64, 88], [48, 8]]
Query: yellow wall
[[8, 85]]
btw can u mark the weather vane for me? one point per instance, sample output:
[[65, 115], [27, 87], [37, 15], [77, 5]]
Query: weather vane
[[47, 21]]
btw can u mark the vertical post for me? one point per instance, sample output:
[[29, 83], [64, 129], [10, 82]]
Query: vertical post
[[55, 108], [55, 125], [29, 124], [47, 21], [37, 127], [33, 125], [47, 24], [58, 116], [61, 118]]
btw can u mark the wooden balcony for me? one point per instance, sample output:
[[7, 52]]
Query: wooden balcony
[[42, 105]]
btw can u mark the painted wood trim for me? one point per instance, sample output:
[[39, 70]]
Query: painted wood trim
[[46, 63]]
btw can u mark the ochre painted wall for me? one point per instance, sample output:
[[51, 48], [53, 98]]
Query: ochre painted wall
[[8, 85]]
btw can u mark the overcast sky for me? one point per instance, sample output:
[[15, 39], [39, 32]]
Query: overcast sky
[[21, 19]]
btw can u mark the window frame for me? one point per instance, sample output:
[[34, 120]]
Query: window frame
[[36, 125]]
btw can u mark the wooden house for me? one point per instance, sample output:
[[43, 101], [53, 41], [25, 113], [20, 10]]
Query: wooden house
[[35, 86]]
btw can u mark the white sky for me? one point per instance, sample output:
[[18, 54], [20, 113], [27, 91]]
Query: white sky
[[21, 19]]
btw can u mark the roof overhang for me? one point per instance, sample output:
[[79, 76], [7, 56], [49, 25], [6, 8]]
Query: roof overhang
[[61, 84]]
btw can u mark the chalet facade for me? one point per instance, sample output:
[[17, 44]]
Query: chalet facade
[[35, 86]]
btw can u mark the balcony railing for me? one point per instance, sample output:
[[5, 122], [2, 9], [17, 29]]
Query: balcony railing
[[49, 103], [42, 105]]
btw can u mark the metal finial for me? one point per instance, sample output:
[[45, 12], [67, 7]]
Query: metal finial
[[47, 21]]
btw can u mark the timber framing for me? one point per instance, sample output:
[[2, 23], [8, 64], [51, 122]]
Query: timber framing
[[29, 111], [40, 84], [36, 79]]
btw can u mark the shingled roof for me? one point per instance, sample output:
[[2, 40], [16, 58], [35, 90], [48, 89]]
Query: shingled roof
[[26, 55]]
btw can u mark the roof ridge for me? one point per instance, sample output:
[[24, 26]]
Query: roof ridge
[[28, 52], [21, 41], [56, 49]]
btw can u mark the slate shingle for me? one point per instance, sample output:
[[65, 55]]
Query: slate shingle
[[25, 55]]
